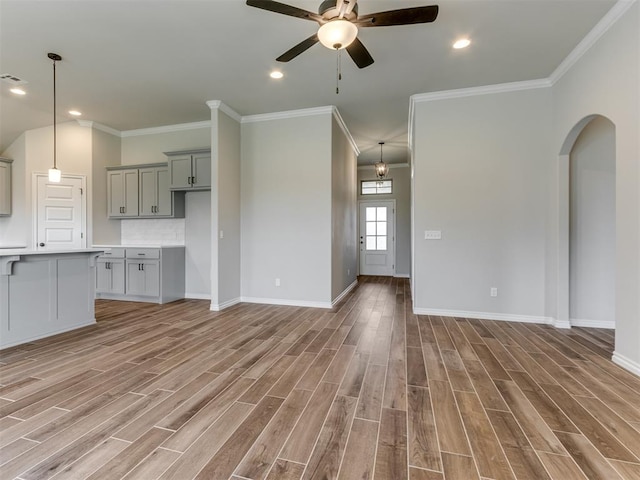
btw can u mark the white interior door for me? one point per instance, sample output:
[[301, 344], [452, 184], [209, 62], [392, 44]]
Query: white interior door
[[377, 238], [60, 213]]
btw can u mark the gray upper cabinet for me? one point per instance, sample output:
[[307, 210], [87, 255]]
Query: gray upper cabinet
[[5, 187], [122, 193], [146, 186], [190, 169]]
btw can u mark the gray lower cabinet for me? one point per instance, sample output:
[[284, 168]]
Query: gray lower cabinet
[[5, 187], [190, 169], [141, 274]]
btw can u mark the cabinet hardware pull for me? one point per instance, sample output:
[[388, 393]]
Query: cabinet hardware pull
[[193, 180], [142, 254], [189, 180], [142, 267]]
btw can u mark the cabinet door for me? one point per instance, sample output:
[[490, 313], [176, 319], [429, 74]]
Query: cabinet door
[[103, 277], [115, 193], [143, 278], [201, 170], [148, 191], [116, 267], [130, 193], [5, 188], [180, 171], [163, 204]]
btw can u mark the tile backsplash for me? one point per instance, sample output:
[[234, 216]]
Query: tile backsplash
[[166, 231]]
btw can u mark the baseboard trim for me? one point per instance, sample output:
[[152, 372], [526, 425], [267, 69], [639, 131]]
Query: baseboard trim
[[626, 363], [344, 293], [216, 307], [506, 317], [402, 275], [286, 302], [577, 322], [197, 296]]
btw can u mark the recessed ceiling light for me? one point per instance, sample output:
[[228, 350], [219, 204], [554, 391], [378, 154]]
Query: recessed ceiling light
[[75, 113], [276, 74], [18, 91], [462, 43]]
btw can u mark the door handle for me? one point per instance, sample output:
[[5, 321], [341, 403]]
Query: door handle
[[41, 244]]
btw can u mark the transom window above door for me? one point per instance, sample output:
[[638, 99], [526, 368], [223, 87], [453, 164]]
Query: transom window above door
[[376, 187], [376, 228]]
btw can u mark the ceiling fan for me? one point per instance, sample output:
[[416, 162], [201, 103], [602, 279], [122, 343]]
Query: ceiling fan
[[339, 23]]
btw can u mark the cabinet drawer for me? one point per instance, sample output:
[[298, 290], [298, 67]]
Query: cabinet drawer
[[113, 253], [141, 253]]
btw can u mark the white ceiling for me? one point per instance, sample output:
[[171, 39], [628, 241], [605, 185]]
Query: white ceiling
[[132, 64]]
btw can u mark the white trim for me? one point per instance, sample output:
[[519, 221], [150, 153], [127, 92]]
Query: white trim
[[287, 302], [402, 275], [166, 129], [223, 107], [99, 126], [626, 363], [303, 112], [507, 317], [344, 293], [345, 130], [602, 27], [577, 322], [484, 90], [197, 296], [390, 165], [560, 323], [216, 307]]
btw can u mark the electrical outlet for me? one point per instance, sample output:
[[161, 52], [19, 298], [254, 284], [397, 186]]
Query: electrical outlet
[[348, 271], [494, 292], [432, 235], [221, 234], [277, 282]]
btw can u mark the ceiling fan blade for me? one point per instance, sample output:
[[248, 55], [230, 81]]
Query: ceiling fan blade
[[285, 9], [359, 54], [404, 16], [298, 49]]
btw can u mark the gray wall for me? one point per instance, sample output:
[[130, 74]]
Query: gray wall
[[480, 178], [13, 229], [197, 240], [225, 208], [343, 212], [606, 81], [105, 152], [149, 148], [286, 209], [593, 225], [402, 194]]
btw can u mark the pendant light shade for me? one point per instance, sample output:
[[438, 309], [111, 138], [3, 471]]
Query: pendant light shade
[[54, 174], [382, 169]]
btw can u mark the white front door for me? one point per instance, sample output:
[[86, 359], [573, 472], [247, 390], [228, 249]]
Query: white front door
[[377, 238], [60, 213]]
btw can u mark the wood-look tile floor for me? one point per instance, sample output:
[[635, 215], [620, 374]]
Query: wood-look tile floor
[[365, 391]]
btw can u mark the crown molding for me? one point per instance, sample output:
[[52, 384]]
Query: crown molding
[[99, 126], [602, 27], [223, 107], [345, 130], [166, 129], [304, 112], [390, 165], [484, 90]]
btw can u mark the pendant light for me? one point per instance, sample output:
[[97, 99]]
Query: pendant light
[[54, 173], [381, 168]]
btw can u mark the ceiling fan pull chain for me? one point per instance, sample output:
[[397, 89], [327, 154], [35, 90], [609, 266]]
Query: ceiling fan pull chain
[[337, 71]]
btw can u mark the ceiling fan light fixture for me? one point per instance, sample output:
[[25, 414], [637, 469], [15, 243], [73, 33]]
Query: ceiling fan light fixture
[[337, 34], [461, 43]]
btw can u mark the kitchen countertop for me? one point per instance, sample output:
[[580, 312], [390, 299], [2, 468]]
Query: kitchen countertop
[[138, 246], [23, 251]]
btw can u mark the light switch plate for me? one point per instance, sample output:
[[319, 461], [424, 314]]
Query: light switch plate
[[432, 234]]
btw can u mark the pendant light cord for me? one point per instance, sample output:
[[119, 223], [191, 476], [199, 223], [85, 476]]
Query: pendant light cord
[[54, 115]]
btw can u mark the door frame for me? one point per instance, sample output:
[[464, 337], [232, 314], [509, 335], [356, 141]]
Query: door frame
[[372, 201], [34, 207]]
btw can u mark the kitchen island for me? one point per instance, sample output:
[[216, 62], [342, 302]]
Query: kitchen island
[[44, 293]]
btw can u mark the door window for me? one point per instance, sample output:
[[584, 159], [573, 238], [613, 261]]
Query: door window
[[376, 228]]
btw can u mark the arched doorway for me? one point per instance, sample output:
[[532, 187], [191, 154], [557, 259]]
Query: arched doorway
[[586, 293]]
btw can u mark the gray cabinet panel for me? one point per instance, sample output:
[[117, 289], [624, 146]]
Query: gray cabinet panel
[[190, 169], [143, 278], [5, 187], [164, 195], [201, 166], [122, 193], [180, 171], [148, 191]]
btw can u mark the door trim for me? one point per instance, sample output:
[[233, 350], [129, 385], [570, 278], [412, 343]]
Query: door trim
[[370, 202], [34, 207]]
